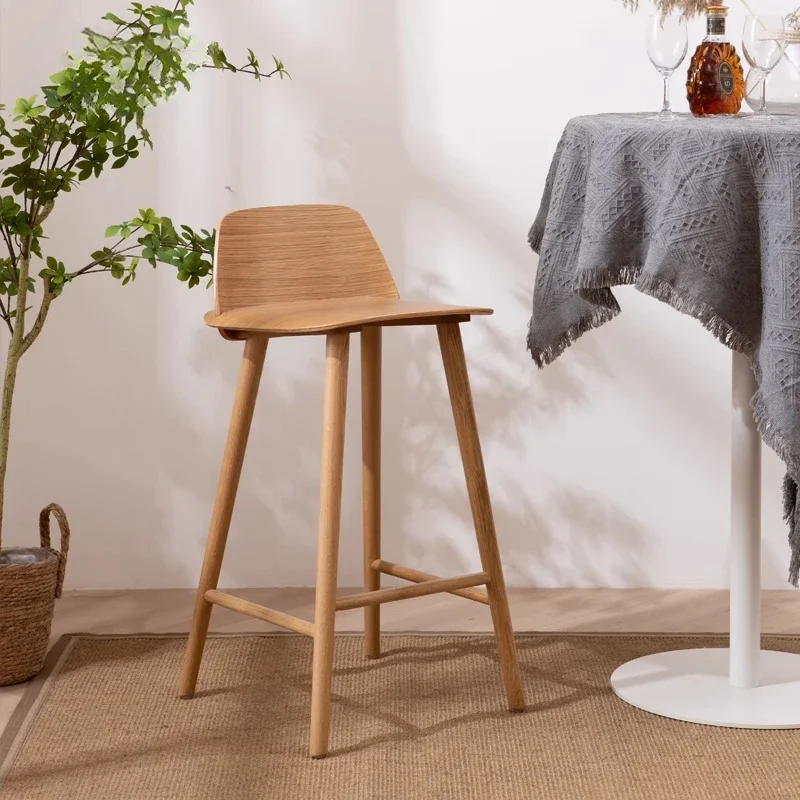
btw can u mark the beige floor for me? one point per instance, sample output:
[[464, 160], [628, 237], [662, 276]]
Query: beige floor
[[603, 610]]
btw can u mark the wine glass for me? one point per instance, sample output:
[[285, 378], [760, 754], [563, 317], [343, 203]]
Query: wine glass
[[764, 43], [667, 44]]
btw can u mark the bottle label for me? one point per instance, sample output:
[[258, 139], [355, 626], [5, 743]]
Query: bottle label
[[716, 26], [726, 81]]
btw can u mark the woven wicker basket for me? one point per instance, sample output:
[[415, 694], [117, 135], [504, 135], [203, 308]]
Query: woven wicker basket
[[28, 592]]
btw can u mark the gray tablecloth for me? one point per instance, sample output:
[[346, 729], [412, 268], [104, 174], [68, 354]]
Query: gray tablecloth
[[702, 214]]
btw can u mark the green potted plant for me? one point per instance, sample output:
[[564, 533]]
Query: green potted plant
[[90, 118]]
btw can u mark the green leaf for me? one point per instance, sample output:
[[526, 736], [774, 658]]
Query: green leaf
[[253, 62], [25, 109], [111, 230], [113, 18], [279, 67], [52, 98], [21, 108], [218, 58], [13, 313]]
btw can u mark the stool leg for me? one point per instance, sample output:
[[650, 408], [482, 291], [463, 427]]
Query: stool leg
[[246, 392], [371, 479], [333, 425], [455, 368]]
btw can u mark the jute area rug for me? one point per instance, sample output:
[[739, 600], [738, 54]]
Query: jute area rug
[[424, 721]]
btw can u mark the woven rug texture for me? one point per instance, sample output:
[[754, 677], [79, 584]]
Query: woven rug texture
[[427, 720]]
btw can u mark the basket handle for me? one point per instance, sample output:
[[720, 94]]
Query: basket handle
[[44, 537]]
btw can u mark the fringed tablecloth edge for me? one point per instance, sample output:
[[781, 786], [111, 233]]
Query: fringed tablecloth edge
[[595, 285]]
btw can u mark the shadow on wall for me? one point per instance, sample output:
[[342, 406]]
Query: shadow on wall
[[360, 140], [369, 167], [164, 506]]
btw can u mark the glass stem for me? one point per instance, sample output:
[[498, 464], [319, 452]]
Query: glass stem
[[763, 109], [666, 107]]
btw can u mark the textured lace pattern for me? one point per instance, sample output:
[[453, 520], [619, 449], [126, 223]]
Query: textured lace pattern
[[703, 214]]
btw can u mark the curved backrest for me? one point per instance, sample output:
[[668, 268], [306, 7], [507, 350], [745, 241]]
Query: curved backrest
[[293, 253]]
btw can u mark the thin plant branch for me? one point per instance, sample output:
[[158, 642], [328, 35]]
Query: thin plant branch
[[246, 71], [94, 263], [36, 329]]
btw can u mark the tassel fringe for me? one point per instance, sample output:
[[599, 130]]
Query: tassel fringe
[[595, 287]]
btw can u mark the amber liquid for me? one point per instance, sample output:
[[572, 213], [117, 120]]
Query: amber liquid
[[716, 80]]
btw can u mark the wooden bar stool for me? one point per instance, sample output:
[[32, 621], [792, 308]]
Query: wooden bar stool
[[317, 270]]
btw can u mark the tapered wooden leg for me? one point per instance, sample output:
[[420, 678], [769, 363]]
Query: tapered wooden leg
[[371, 479], [333, 425], [464, 413], [246, 392]]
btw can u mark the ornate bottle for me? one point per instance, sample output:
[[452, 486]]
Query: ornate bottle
[[716, 82]]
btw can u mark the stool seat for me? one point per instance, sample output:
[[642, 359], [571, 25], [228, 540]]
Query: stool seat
[[296, 318]]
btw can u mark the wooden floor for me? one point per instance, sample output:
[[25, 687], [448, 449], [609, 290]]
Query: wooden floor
[[595, 610]]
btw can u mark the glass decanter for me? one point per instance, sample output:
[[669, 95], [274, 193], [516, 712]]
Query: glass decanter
[[716, 82]]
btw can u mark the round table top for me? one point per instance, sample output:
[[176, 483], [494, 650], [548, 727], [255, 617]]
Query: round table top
[[683, 122]]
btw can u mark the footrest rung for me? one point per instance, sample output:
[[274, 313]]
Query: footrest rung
[[414, 575], [260, 612], [406, 592]]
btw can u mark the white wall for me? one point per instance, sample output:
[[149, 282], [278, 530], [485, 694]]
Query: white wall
[[437, 120]]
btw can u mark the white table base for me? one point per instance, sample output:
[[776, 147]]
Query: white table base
[[695, 686], [743, 687]]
